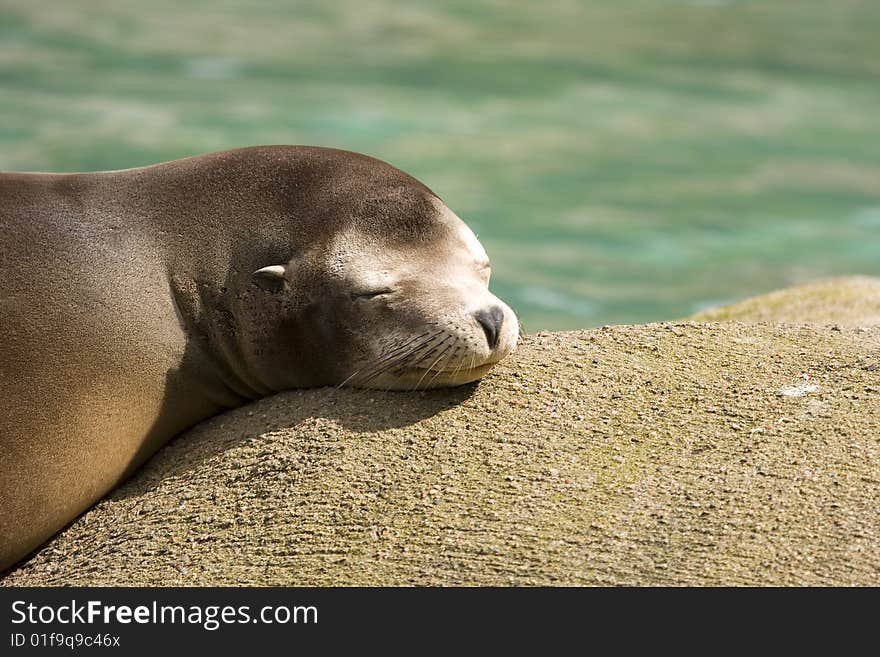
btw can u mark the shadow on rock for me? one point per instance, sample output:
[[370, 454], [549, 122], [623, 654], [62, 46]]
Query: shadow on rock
[[353, 410]]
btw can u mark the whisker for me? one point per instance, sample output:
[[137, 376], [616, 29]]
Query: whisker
[[432, 365], [396, 359], [435, 348], [460, 363], [349, 378], [397, 349], [433, 378], [416, 356], [431, 346], [379, 371], [383, 360]]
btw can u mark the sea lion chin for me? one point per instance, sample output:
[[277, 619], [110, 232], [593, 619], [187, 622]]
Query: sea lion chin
[[139, 302]]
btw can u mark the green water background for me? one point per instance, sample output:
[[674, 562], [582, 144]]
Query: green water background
[[622, 161]]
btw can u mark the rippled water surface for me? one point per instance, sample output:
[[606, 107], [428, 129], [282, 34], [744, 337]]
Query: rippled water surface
[[622, 161]]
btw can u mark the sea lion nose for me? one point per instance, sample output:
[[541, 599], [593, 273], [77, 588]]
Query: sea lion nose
[[491, 320]]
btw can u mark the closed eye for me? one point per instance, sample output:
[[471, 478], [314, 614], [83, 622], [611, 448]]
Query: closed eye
[[371, 294]]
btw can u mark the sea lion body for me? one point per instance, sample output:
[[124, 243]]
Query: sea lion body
[[135, 303]]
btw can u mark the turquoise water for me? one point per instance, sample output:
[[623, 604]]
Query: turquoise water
[[622, 161]]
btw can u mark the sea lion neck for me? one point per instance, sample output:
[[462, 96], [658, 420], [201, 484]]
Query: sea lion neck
[[205, 312]]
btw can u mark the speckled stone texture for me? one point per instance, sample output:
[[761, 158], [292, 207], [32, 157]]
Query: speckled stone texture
[[668, 454], [852, 300]]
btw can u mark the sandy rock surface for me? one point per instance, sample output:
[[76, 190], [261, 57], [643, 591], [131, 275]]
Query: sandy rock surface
[[685, 453], [852, 300]]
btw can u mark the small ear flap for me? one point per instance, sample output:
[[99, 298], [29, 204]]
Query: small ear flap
[[270, 278]]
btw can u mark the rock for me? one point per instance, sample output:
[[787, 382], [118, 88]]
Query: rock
[[850, 301], [642, 455]]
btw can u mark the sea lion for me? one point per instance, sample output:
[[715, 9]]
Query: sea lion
[[137, 303]]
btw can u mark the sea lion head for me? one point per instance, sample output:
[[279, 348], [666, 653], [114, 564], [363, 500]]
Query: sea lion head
[[392, 293]]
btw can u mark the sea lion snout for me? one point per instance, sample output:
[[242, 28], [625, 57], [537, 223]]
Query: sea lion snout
[[439, 324]]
